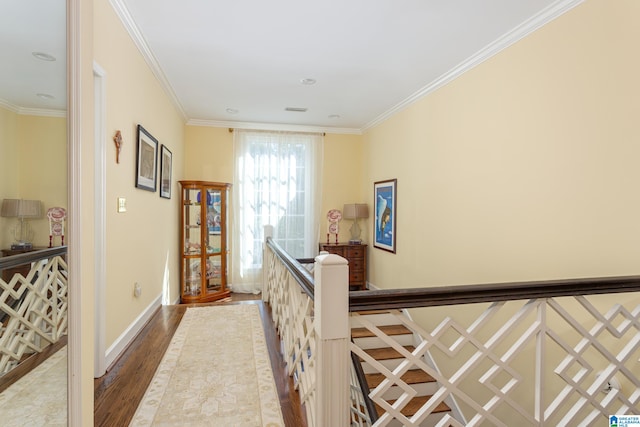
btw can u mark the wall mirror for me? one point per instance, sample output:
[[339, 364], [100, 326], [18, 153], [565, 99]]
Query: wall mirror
[[33, 165]]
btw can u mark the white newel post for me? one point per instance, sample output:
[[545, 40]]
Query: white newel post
[[331, 306], [268, 232]]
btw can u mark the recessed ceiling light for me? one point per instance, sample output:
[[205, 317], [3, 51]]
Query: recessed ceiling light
[[296, 109], [43, 56], [334, 116], [232, 111], [45, 96], [308, 82]]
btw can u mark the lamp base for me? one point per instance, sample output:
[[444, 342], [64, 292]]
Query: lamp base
[[355, 232], [355, 241], [22, 246]]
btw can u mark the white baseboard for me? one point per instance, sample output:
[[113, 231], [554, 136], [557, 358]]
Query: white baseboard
[[131, 332]]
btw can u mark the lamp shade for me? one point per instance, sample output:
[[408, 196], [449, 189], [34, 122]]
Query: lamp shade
[[355, 211], [21, 208]]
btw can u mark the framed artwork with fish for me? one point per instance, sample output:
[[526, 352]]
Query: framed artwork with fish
[[385, 209]]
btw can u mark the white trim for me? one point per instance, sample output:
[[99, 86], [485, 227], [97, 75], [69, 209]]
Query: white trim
[[32, 111], [272, 126], [75, 391], [100, 221], [41, 112], [123, 341], [138, 39], [529, 26], [9, 106]]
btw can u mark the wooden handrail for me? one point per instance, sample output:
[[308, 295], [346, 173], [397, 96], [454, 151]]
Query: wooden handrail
[[28, 257], [470, 294], [370, 300], [364, 387], [462, 294], [302, 276]]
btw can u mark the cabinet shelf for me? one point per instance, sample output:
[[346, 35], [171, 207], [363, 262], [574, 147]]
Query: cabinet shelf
[[204, 252]]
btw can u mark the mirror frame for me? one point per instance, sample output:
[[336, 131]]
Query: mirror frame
[[74, 130]]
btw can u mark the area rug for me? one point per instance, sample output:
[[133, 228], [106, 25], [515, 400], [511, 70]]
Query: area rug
[[40, 397], [216, 372]]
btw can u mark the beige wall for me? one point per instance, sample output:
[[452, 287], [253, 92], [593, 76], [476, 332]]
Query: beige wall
[[208, 154], [343, 182], [33, 165], [524, 167], [209, 157], [43, 167], [9, 152], [141, 243]]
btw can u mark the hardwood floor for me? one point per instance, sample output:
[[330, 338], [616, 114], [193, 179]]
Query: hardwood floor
[[118, 392]]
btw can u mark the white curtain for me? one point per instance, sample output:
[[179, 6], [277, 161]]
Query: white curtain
[[276, 182]]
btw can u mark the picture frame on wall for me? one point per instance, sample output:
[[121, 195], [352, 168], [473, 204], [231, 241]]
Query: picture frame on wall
[[146, 160], [385, 211], [166, 158]]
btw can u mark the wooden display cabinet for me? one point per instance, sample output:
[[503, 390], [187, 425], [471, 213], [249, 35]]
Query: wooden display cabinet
[[203, 241]]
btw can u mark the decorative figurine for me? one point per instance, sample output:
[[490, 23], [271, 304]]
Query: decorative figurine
[[334, 216], [118, 140]]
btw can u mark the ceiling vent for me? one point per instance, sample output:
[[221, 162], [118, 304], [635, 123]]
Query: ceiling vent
[[296, 109]]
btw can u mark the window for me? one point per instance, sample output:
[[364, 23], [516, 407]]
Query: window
[[276, 183]]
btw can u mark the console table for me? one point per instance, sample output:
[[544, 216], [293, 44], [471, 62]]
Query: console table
[[357, 257]]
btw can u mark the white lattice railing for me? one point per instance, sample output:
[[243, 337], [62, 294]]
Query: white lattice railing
[[292, 311], [554, 353], [33, 309], [313, 343], [549, 361]]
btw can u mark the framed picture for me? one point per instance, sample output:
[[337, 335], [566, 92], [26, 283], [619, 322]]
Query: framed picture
[[146, 160], [214, 213], [385, 209], [165, 172]]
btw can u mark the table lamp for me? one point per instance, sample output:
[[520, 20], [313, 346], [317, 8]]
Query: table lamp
[[355, 211], [23, 210]]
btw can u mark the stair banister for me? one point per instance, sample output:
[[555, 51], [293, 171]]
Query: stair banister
[[294, 297], [267, 231], [331, 278], [317, 353]]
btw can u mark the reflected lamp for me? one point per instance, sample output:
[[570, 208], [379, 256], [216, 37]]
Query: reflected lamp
[[23, 210]]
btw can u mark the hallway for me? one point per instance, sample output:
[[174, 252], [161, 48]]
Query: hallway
[[118, 392]]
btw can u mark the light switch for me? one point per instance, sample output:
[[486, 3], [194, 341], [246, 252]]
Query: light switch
[[122, 204]]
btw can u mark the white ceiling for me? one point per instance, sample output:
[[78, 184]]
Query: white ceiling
[[28, 26], [369, 58]]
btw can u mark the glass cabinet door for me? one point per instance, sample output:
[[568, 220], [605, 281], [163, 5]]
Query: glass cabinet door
[[192, 241], [213, 278]]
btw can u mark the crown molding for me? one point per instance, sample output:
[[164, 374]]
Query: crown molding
[[273, 126], [521, 31], [43, 112], [138, 39], [9, 106], [534, 23]]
